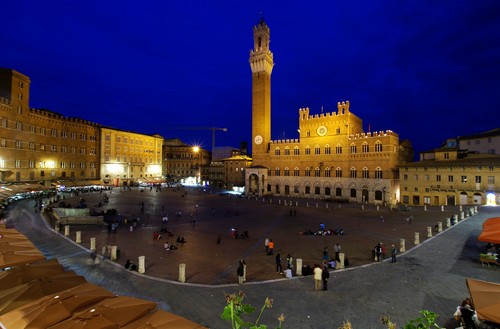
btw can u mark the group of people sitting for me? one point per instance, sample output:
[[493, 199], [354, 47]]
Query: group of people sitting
[[156, 235], [168, 246], [323, 231], [130, 266]]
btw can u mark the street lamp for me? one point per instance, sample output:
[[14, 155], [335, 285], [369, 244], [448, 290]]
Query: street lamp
[[196, 150]]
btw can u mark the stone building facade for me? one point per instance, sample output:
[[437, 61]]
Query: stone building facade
[[181, 161], [38, 145], [333, 158], [129, 158]]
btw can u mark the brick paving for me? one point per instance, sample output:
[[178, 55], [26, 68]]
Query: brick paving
[[430, 276]]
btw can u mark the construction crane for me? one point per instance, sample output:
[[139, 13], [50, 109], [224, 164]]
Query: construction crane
[[213, 129]]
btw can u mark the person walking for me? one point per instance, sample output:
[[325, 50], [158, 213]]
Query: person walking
[[394, 251], [289, 262], [241, 272], [378, 252], [279, 268], [337, 249], [325, 254], [325, 275], [266, 244]]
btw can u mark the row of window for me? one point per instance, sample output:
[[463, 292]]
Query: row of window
[[451, 178], [353, 193], [32, 146], [46, 164], [137, 159], [126, 149], [365, 148], [136, 141], [353, 173], [49, 131]]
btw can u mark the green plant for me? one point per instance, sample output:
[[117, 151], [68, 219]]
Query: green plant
[[236, 309], [428, 321]]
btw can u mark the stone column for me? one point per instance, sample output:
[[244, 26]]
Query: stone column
[[299, 266], [182, 273], [142, 264], [429, 231], [92, 244], [114, 253], [66, 230], [402, 245], [417, 238], [78, 238], [440, 226]]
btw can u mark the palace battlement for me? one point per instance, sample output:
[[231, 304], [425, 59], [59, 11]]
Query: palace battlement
[[284, 141], [374, 134], [342, 109], [4, 101], [55, 115]]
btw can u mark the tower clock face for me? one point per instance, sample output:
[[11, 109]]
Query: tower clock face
[[322, 130], [258, 139]]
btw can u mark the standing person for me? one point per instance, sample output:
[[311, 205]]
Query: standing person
[[271, 247], [266, 244], [289, 262], [394, 251], [325, 254], [337, 249], [318, 273], [241, 272], [279, 268], [324, 276], [378, 252]]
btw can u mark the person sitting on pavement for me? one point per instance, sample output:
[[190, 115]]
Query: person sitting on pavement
[[156, 235]]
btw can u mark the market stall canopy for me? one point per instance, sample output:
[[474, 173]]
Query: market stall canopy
[[52, 309], [494, 221], [22, 294], [490, 234], [163, 320], [26, 273], [486, 298]]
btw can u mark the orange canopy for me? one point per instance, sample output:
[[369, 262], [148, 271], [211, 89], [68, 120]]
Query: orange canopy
[[486, 298]]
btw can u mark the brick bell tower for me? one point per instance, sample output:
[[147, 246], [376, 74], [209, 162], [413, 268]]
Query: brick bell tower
[[261, 63]]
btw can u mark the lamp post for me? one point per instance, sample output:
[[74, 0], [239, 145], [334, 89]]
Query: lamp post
[[196, 150]]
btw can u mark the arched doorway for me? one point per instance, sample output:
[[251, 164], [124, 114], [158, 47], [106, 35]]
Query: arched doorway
[[463, 198], [478, 199], [253, 184], [364, 195]]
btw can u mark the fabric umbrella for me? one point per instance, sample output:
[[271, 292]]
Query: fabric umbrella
[[22, 294], [491, 221], [52, 309], [26, 273], [20, 257], [491, 234], [113, 312], [163, 320], [486, 298]]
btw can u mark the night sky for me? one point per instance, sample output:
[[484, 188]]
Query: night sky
[[427, 70]]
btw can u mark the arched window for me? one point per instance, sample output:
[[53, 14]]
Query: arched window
[[366, 173], [287, 171], [327, 191], [352, 174], [353, 193], [296, 189], [328, 172], [317, 190], [287, 150], [353, 148], [378, 172], [317, 172], [317, 150], [338, 172], [308, 190], [296, 171], [328, 149], [308, 150], [308, 172], [277, 151], [277, 171], [338, 149], [365, 147], [378, 146], [338, 191], [296, 150]]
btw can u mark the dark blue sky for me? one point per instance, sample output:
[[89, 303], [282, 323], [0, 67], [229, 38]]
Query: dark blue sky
[[425, 69]]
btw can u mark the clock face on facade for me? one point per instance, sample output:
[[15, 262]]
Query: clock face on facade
[[321, 130], [258, 139]]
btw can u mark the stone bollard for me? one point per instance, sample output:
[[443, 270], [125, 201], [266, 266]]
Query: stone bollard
[[57, 227], [460, 208], [429, 231], [402, 245], [182, 273], [279, 202], [244, 272], [362, 207], [142, 264], [299, 266], [378, 207], [78, 238], [475, 209], [66, 230], [448, 222], [462, 215], [296, 203], [114, 253], [340, 264], [92, 245], [456, 217], [442, 208], [340, 206], [317, 205], [327, 206], [440, 226], [417, 238], [307, 204], [425, 208]]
